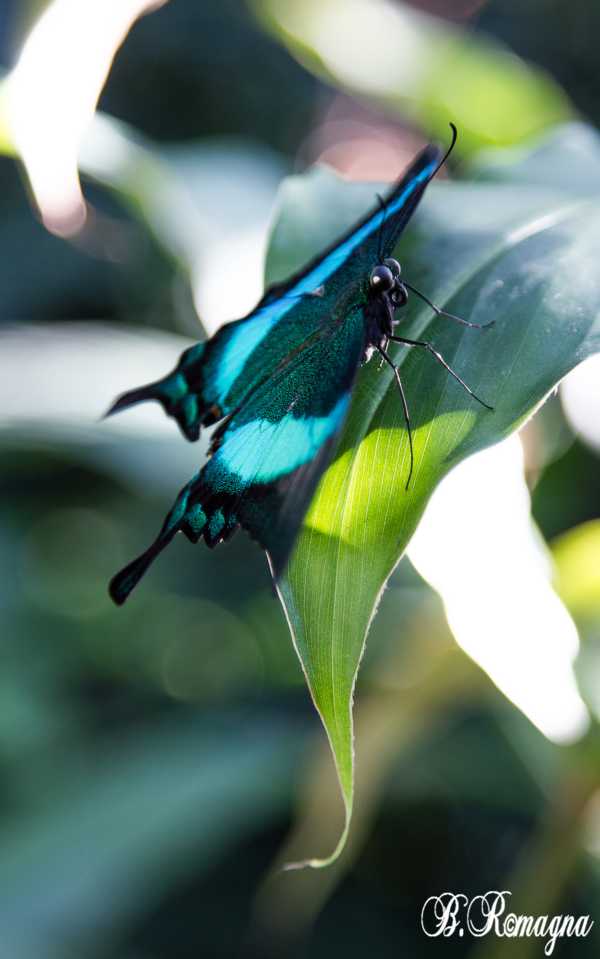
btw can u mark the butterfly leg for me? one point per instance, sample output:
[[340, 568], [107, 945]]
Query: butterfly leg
[[381, 350], [440, 359], [404, 407], [383, 208], [450, 316]]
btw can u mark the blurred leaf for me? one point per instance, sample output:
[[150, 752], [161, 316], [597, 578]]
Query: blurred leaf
[[6, 144], [80, 43], [202, 203], [419, 66], [576, 556], [483, 250], [550, 162], [184, 192], [527, 647], [120, 158], [108, 839], [577, 563]]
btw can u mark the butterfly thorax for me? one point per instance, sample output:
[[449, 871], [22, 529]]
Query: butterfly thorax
[[386, 294]]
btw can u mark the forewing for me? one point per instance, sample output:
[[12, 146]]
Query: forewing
[[350, 259], [215, 378]]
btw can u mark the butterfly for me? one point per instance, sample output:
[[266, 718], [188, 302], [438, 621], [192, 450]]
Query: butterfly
[[279, 383]]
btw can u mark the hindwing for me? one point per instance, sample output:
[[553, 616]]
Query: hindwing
[[267, 458]]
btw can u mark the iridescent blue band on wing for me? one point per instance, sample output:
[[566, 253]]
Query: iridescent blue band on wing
[[245, 339]]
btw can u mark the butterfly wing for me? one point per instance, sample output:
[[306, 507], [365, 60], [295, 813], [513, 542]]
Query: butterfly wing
[[214, 378], [268, 457]]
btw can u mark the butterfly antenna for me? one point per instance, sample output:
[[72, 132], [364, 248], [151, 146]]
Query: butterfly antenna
[[448, 151], [382, 203], [383, 206], [439, 312]]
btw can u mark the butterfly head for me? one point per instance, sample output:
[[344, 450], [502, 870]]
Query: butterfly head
[[385, 282]]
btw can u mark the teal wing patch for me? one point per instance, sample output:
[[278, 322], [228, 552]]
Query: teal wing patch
[[267, 458]]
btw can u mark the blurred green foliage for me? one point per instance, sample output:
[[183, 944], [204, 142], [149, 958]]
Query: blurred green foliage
[[150, 757], [409, 61]]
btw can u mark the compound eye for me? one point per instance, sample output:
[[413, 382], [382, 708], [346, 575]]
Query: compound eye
[[382, 279], [400, 295], [394, 266]]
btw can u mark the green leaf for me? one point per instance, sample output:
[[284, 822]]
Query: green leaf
[[420, 66], [521, 253]]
